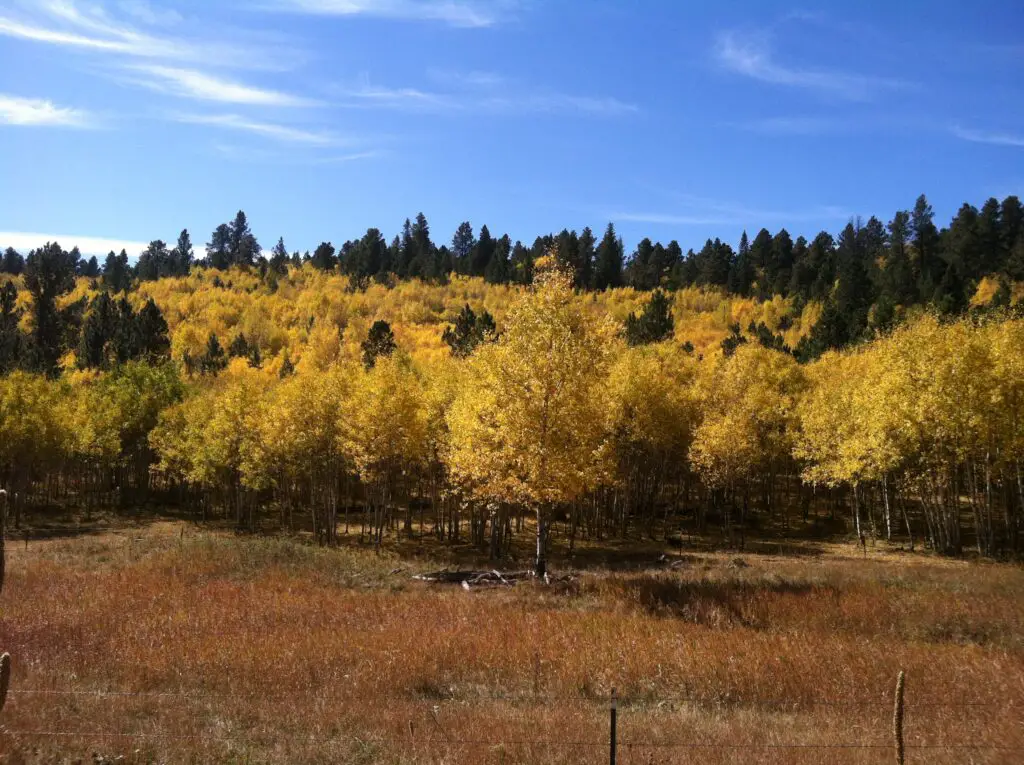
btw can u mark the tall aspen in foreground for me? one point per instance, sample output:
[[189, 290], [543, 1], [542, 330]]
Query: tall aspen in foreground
[[527, 428]]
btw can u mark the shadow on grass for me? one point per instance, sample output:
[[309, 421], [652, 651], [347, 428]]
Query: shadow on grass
[[718, 603]]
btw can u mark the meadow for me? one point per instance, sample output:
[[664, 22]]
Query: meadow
[[170, 642]]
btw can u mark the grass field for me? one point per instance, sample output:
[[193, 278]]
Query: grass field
[[166, 643]]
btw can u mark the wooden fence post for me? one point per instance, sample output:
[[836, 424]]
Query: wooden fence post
[[897, 720], [614, 712]]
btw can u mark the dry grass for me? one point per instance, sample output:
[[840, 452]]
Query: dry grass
[[268, 650]]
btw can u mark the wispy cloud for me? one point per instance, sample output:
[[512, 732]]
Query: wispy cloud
[[456, 13], [561, 102], [147, 13], [291, 157], [190, 83], [489, 93], [278, 132], [795, 126], [985, 136], [752, 57], [367, 96], [87, 245], [39, 112], [694, 210], [92, 28]]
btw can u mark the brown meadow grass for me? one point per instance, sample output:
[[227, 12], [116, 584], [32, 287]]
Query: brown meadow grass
[[206, 647]]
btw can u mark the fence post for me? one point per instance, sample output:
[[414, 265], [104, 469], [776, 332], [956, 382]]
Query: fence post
[[897, 719], [5, 677], [614, 710]]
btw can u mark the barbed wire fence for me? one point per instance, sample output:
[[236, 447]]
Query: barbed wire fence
[[612, 705]]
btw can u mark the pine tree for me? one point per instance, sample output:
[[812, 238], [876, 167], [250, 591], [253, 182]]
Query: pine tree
[[218, 251], [182, 256], [12, 262], [926, 246], [380, 341], [741, 274], [91, 268], [49, 273], [97, 332], [153, 341], [154, 262], [584, 264], [279, 258], [654, 324], [126, 333], [482, 253], [608, 265], [11, 340], [323, 257], [243, 249], [463, 243], [213, 360], [468, 332], [499, 266]]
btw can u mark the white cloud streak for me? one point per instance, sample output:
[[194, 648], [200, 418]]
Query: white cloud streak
[[490, 94], [39, 112], [190, 83], [456, 13], [753, 58], [989, 137], [68, 23], [275, 131], [699, 211], [23, 242]]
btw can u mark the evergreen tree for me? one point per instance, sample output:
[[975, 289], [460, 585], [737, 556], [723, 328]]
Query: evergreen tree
[[898, 272], [380, 341], [655, 322], [713, 264], [243, 249], [482, 253], [779, 269], [153, 341], [287, 368], [583, 267], [499, 266], [279, 258], [49, 273], [733, 341], [640, 270], [97, 332], [91, 268], [126, 333], [182, 256], [469, 331], [926, 246], [154, 262], [238, 348], [463, 244], [742, 273], [323, 257], [12, 262], [522, 264], [11, 340], [218, 251], [213, 360], [116, 272], [608, 265], [853, 286]]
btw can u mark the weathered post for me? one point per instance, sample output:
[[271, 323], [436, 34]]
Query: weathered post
[[897, 720], [614, 712]]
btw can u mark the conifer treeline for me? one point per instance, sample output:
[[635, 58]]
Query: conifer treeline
[[865, 277]]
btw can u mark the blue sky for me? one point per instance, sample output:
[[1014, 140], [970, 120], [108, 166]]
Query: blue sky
[[123, 121]]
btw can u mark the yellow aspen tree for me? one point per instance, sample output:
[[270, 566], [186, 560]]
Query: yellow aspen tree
[[528, 426]]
